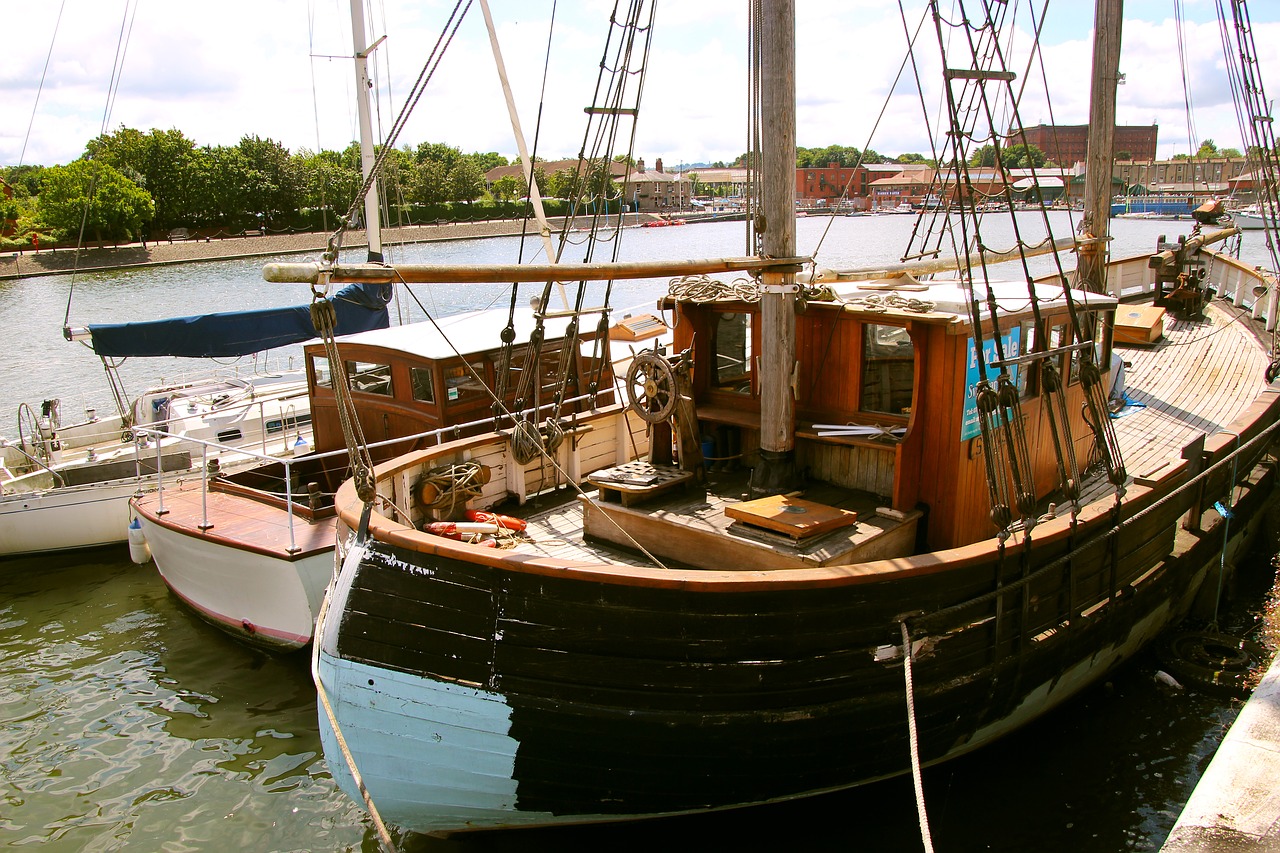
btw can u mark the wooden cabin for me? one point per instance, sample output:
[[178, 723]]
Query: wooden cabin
[[905, 371], [409, 379]]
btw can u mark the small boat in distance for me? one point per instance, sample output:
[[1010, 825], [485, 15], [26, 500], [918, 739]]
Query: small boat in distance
[[1251, 219]]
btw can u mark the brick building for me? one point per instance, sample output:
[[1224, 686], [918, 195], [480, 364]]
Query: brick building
[[830, 183], [1067, 144]]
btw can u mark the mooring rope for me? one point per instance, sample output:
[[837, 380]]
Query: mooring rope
[[914, 738]]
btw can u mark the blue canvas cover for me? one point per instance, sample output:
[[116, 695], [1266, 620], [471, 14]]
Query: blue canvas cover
[[360, 308]]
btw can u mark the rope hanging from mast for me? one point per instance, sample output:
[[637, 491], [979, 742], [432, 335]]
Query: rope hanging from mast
[[986, 89]]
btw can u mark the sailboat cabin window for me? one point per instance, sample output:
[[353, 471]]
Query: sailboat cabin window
[[888, 370], [320, 370], [461, 384], [424, 387], [732, 352], [369, 378]]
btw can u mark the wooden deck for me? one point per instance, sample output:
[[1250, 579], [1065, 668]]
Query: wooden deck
[[1195, 381], [237, 522]]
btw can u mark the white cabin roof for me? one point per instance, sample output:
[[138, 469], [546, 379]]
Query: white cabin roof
[[952, 296], [471, 332]]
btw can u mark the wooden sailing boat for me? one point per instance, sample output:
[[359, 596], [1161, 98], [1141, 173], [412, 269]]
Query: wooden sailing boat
[[867, 601]]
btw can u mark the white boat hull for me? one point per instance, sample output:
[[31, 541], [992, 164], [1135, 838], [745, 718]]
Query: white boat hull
[[1250, 221], [65, 519], [261, 599]]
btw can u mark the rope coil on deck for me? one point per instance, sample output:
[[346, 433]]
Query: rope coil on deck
[[704, 288]]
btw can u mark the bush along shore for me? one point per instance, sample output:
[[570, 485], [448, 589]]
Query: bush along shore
[[40, 262]]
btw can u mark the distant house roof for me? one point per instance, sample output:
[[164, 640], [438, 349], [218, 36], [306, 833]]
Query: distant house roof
[[721, 176], [915, 177], [1044, 182]]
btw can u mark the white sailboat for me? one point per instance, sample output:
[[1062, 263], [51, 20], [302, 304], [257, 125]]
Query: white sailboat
[[65, 486]]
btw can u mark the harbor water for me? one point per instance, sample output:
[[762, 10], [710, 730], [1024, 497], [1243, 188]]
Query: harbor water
[[126, 723]]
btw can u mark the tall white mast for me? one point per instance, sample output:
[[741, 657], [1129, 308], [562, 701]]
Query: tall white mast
[[372, 219]]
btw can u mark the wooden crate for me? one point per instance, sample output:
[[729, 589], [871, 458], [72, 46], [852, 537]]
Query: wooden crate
[[793, 517], [1136, 324]]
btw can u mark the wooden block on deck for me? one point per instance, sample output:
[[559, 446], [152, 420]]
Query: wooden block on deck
[[636, 481], [637, 328], [792, 516], [1139, 324]]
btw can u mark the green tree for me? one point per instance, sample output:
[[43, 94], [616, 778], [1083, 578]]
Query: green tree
[[1018, 156], [273, 189], [111, 206], [161, 161], [508, 188], [488, 160], [429, 183], [328, 183], [22, 178], [466, 180]]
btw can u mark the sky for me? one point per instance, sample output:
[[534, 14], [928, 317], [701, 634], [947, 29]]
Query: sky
[[281, 69]]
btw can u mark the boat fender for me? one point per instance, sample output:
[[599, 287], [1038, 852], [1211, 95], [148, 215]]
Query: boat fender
[[459, 529], [1213, 662], [506, 522], [139, 550]]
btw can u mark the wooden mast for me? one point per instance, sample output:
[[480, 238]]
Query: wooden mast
[[776, 471], [1107, 19]]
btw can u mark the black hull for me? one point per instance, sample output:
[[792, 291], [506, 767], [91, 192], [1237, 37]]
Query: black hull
[[631, 699]]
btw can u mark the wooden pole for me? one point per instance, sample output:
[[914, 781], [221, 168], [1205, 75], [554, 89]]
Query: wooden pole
[[776, 471], [309, 272], [1108, 17]]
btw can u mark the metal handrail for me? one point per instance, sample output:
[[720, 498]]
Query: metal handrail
[[207, 445]]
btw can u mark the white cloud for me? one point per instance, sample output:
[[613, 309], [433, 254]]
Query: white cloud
[[220, 71]]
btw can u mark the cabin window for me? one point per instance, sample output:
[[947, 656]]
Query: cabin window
[[888, 370], [1088, 328], [1029, 373], [461, 384], [1058, 337], [732, 351], [320, 370], [369, 378], [424, 386]]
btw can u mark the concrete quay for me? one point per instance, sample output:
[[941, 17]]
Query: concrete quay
[[28, 264], [65, 261], [1235, 808]]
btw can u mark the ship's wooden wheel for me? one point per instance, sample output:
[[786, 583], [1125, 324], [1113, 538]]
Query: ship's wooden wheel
[[29, 436], [651, 387]]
